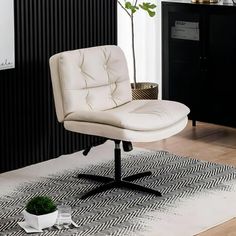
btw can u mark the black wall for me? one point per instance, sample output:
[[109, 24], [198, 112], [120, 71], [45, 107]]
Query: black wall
[[29, 131]]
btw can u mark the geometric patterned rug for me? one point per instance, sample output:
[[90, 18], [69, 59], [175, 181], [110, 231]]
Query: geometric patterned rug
[[188, 186]]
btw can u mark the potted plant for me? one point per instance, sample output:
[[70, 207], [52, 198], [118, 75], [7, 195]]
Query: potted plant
[[41, 212], [142, 90]]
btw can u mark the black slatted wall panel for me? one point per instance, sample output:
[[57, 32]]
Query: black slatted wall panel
[[29, 130]]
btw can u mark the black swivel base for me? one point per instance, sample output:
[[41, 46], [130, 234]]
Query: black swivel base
[[117, 182]]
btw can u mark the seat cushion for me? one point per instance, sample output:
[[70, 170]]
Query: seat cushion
[[112, 132], [137, 115]]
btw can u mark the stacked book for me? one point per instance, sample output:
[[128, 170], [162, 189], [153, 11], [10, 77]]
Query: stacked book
[[185, 30]]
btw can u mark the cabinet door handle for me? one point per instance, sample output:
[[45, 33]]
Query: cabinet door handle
[[201, 63]]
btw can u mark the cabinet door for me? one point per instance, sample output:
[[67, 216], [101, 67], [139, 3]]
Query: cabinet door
[[181, 52], [220, 75]]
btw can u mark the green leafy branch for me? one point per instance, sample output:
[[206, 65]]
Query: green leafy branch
[[132, 8], [148, 7]]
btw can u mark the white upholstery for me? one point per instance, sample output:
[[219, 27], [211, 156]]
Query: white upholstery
[[138, 115], [92, 95], [113, 132], [93, 79]]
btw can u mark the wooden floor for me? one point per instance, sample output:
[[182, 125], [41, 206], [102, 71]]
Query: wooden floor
[[206, 142]]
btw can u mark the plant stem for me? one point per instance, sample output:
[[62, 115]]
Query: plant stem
[[133, 49], [124, 8], [131, 15], [133, 45]]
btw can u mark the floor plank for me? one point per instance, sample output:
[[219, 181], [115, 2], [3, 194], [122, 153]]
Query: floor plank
[[206, 142]]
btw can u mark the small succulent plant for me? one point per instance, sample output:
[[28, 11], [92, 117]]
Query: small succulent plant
[[41, 205]]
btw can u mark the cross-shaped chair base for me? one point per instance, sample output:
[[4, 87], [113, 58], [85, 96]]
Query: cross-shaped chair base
[[117, 182]]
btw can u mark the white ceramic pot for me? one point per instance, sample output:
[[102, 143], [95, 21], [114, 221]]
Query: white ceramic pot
[[40, 221]]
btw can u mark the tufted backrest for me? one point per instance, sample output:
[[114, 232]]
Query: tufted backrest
[[93, 78]]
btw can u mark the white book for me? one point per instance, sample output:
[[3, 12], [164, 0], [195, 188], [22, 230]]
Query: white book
[[186, 24], [185, 33]]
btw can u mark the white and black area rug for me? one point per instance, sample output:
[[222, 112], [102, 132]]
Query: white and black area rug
[[196, 195]]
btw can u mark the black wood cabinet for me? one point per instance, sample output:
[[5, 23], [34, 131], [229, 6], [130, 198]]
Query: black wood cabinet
[[199, 59]]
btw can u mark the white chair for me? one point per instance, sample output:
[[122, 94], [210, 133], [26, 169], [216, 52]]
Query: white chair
[[92, 96]]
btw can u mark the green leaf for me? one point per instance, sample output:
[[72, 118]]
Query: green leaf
[[128, 5], [131, 7], [152, 6], [134, 9], [148, 7], [151, 13]]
